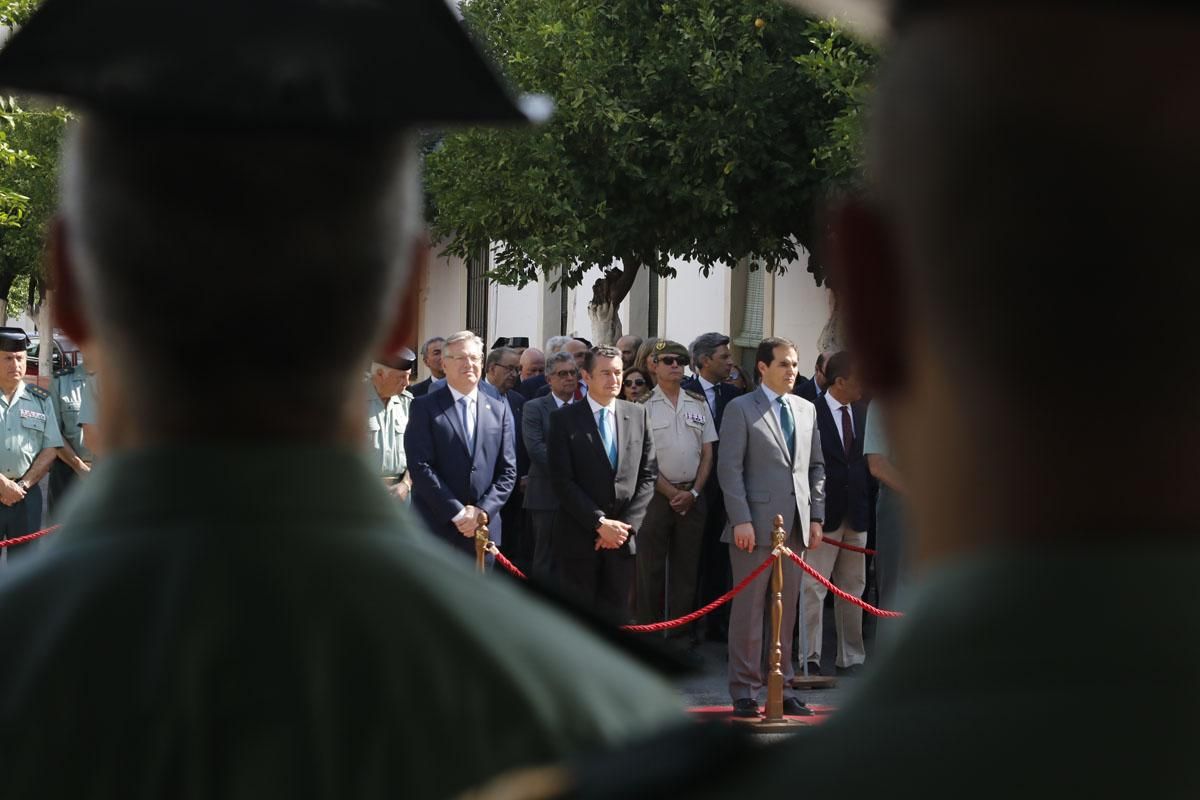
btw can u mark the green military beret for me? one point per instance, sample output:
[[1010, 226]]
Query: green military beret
[[666, 347]]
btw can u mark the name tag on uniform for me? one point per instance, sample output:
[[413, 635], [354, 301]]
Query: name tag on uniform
[[695, 419], [29, 414]]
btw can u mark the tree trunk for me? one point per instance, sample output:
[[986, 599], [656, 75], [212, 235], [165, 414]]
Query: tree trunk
[[607, 294]]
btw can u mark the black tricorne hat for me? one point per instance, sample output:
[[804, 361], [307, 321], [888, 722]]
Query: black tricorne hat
[[290, 64], [13, 340]]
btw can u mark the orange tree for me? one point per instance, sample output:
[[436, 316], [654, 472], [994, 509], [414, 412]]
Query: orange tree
[[710, 130]]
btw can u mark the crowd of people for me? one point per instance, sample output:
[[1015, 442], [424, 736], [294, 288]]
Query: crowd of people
[[614, 475]]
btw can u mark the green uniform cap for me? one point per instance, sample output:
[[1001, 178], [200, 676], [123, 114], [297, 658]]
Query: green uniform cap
[[294, 64], [665, 347]]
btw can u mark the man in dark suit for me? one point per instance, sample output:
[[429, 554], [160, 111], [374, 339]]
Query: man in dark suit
[[431, 356], [603, 467], [541, 502], [500, 373], [841, 418], [713, 362], [532, 387], [460, 449], [811, 388]]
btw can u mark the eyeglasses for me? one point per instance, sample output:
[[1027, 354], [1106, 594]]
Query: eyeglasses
[[564, 373], [671, 361], [634, 382], [513, 368], [476, 360]]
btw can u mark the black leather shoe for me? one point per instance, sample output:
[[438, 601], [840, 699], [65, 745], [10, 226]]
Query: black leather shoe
[[747, 707], [813, 668], [794, 708], [849, 671]]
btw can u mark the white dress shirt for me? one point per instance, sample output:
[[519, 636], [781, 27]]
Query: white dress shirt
[[835, 408], [710, 392], [610, 418]]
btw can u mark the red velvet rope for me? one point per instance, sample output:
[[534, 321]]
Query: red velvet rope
[[29, 537], [864, 550], [849, 598], [700, 612], [504, 562]]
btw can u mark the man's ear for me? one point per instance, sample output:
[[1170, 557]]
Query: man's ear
[[871, 293], [404, 329], [68, 311]]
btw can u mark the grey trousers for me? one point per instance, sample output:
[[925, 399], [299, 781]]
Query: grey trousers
[[748, 657]]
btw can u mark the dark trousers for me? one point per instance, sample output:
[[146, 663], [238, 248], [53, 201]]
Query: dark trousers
[[668, 560], [62, 477], [541, 529], [602, 581], [20, 519], [518, 543], [715, 575]]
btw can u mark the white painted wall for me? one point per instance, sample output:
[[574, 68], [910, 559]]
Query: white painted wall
[[515, 312], [693, 304], [801, 310]]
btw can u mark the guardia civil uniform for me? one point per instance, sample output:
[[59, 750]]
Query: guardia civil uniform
[[69, 388], [387, 420], [669, 543], [256, 619], [30, 426]]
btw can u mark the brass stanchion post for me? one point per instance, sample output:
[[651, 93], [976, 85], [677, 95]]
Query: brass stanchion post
[[482, 537], [775, 678]]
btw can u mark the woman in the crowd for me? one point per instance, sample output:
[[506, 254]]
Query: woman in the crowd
[[635, 385], [644, 360]]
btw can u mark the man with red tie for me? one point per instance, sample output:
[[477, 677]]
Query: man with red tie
[[841, 418]]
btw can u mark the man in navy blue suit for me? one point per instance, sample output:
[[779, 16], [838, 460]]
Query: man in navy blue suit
[[841, 418], [460, 447]]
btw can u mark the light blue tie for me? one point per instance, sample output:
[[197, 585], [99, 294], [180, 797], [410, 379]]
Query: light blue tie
[[468, 422], [606, 439], [789, 427]]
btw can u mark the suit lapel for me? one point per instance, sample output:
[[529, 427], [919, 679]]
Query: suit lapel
[[829, 431], [768, 413], [593, 434], [450, 410]]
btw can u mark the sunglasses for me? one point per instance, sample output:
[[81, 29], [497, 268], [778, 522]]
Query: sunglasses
[[634, 382], [564, 373], [671, 361]]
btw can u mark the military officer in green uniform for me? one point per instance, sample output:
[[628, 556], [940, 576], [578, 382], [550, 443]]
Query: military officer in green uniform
[[388, 400], [31, 439], [228, 610], [69, 388], [669, 541]]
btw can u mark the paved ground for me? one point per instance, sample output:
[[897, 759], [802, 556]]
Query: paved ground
[[709, 687]]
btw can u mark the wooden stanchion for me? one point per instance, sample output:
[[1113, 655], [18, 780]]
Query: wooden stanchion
[[482, 537], [775, 721]]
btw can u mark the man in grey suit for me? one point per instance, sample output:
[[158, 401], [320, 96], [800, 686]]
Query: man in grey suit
[[541, 503], [770, 463]]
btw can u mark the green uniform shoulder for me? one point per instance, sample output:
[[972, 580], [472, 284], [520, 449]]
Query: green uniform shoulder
[[37, 391], [62, 372]]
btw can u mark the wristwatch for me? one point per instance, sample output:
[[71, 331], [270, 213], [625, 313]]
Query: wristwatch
[[695, 494]]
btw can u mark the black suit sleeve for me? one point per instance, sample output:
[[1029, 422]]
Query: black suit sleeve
[[647, 476], [571, 496]]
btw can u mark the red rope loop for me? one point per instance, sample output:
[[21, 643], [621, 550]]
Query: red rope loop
[[849, 598], [700, 612], [29, 537], [503, 561], [853, 548]]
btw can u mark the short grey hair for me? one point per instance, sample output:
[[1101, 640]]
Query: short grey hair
[[497, 353], [705, 345], [555, 344], [559, 358], [428, 342], [156, 216], [464, 336]]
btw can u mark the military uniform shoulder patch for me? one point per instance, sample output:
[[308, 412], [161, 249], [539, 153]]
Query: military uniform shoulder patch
[[63, 371], [37, 391], [692, 393]]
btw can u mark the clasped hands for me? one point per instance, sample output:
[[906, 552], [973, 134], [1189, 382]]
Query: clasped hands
[[469, 522], [10, 492], [611, 534], [743, 536]]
